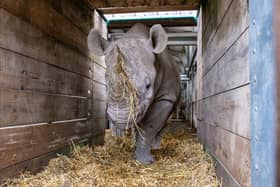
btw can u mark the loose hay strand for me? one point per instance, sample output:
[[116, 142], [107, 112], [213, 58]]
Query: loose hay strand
[[180, 162], [129, 91]]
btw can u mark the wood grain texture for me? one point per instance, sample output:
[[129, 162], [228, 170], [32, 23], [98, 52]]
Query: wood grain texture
[[99, 73], [23, 143], [235, 22], [42, 15], [23, 73], [100, 124], [24, 107], [99, 109], [213, 14], [229, 110], [231, 71], [139, 3], [21, 37], [231, 150], [75, 11], [99, 91]]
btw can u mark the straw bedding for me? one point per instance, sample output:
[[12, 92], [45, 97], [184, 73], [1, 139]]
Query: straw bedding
[[180, 162]]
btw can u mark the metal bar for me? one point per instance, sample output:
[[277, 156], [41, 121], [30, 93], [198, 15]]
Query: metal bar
[[192, 62], [263, 101]]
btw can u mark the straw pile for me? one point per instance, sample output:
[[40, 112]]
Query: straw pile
[[180, 162]]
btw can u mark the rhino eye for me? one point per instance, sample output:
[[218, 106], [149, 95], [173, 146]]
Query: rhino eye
[[148, 86]]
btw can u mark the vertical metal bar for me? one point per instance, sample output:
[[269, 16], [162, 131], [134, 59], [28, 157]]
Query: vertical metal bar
[[262, 78], [277, 44]]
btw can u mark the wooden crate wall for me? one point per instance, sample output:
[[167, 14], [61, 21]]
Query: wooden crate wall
[[222, 91]]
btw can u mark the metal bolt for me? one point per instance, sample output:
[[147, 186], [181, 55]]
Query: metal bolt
[[254, 80], [256, 109], [257, 167], [254, 51]]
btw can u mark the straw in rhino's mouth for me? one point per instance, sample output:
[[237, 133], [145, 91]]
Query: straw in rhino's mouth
[[129, 93]]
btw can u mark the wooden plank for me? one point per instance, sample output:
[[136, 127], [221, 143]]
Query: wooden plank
[[164, 22], [230, 111], [214, 13], [225, 177], [100, 124], [21, 37], [99, 91], [140, 3], [76, 11], [231, 150], [24, 107], [99, 73], [43, 16], [99, 109], [33, 165], [233, 25], [232, 69], [115, 10], [23, 73], [99, 60], [23, 143]]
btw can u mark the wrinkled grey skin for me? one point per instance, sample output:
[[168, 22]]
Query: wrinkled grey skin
[[153, 73]]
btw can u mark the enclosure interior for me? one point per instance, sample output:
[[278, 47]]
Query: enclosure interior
[[53, 91]]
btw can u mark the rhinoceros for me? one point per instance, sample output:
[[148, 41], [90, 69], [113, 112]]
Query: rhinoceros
[[139, 68]]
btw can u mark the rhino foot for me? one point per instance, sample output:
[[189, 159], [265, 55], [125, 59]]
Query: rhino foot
[[145, 158], [156, 143]]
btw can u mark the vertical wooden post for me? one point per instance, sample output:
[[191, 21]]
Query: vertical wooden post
[[263, 100]]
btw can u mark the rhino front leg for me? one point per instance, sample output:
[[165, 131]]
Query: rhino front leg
[[153, 122]]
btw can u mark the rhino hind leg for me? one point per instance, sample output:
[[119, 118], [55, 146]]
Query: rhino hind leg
[[153, 124]]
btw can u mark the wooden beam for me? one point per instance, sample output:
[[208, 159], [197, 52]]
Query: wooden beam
[[163, 22], [114, 10]]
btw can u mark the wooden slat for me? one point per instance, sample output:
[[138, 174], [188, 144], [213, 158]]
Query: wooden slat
[[21, 37], [99, 109], [23, 143], [76, 11], [213, 13], [233, 25], [115, 10], [232, 150], [99, 73], [163, 22], [23, 107], [99, 91], [100, 124], [33, 165], [42, 15], [23, 73], [230, 110], [140, 3], [225, 177], [232, 69]]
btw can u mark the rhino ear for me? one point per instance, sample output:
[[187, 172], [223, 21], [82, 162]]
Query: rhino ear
[[159, 38], [96, 43]]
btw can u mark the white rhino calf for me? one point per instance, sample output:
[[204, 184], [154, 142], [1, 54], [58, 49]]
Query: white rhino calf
[[143, 84]]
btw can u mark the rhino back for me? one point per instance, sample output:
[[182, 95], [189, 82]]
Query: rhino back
[[167, 85]]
